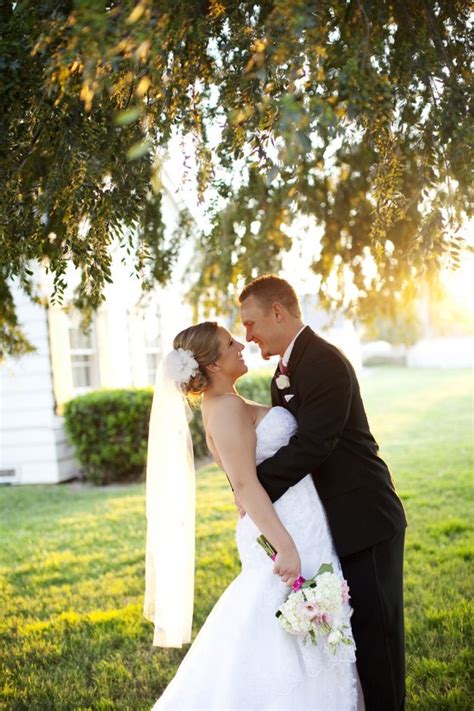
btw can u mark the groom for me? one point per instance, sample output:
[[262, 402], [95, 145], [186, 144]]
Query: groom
[[317, 383]]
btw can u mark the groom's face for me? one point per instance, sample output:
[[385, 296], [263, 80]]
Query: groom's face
[[261, 326]]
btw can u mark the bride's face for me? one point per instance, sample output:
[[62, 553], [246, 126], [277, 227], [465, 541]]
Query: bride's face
[[230, 360]]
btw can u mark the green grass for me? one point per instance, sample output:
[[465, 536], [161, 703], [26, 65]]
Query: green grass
[[72, 565]]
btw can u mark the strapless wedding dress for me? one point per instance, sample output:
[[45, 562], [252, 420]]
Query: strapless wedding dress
[[242, 658]]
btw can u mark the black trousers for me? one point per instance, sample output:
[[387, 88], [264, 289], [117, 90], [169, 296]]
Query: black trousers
[[375, 578]]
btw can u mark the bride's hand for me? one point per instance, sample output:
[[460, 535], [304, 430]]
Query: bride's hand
[[288, 565]]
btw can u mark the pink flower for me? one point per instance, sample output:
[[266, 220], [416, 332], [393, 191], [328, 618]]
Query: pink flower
[[298, 583], [321, 618], [345, 591], [308, 609]]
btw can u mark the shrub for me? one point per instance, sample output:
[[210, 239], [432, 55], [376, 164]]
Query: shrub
[[198, 435], [256, 387], [109, 429]]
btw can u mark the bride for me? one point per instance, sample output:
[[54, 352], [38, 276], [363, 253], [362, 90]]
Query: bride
[[241, 658]]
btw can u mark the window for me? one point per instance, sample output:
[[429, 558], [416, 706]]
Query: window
[[153, 341], [82, 351]]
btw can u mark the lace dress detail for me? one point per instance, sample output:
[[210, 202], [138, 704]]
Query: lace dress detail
[[242, 658]]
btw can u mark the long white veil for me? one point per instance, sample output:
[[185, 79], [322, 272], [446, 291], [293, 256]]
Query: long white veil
[[170, 511]]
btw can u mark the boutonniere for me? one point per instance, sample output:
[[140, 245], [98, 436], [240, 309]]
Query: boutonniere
[[282, 382]]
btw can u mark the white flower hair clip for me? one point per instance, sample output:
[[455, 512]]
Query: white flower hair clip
[[181, 366]]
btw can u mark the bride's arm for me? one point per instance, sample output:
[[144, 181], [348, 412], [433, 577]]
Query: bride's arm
[[233, 434]]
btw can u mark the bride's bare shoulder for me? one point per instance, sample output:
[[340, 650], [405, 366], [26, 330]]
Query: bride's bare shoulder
[[231, 407]]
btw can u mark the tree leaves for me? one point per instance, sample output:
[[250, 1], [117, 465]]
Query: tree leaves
[[353, 114], [123, 118]]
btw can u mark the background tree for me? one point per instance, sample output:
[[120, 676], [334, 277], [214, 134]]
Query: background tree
[[353, 113]]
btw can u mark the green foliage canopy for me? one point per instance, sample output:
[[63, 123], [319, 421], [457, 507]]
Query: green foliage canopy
[[352, 113]]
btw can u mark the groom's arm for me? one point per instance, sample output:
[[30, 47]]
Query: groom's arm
[[325, 393]]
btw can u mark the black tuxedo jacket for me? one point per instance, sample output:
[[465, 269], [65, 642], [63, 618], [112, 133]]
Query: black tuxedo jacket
[[333, 443]]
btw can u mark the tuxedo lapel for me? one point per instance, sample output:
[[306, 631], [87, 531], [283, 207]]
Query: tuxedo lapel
[[298, 349], [276, 395], [295, 357]]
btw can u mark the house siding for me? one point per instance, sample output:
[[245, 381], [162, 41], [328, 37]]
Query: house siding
[[30, 431]]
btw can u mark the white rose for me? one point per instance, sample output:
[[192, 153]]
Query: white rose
[[282, 382], [334, 637]]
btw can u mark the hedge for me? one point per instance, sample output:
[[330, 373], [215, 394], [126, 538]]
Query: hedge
[[109, 429]]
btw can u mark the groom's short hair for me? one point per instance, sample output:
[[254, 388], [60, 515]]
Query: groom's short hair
[[270, 288]]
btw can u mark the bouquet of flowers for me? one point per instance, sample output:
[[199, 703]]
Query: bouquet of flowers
[[314, 608]]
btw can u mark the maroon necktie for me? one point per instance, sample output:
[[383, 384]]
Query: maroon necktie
[[283, 368]]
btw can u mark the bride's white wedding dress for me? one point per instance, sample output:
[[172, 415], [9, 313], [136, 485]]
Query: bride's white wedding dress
[[242, 658]]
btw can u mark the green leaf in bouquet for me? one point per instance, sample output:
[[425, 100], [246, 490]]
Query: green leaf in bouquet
[[324, 568]]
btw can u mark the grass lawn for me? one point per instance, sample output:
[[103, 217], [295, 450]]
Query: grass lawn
[[72, 565]]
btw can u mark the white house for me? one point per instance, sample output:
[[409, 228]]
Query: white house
[[122, 348], [33, 445]]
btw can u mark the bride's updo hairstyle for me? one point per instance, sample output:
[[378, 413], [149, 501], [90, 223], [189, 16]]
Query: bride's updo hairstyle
[[203, 343]]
